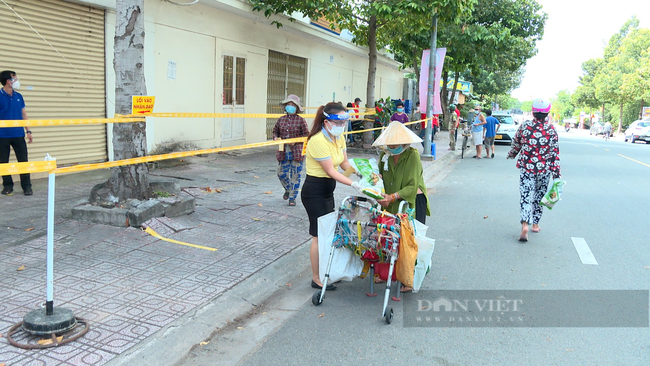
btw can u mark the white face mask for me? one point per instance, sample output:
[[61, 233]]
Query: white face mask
[[16, 85], [337, 130]]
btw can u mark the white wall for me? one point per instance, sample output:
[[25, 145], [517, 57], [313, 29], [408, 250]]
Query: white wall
[[196, 37]]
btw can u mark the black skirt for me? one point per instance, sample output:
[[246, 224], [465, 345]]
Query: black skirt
[[317, 196]]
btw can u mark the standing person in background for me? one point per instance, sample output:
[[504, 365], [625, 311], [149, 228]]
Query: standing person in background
[[290, 160], [457, 111], [477, 131], [453, 124], [326, 152], [350, 108], [399, 115], [491, 128], [536, 143], [435, 124], [12, 107], [357, 107]]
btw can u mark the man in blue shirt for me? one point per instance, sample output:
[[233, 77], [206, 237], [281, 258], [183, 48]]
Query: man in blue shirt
[[491, 128], [12, 107]]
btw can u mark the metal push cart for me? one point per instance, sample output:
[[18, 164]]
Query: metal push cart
[[361, 227]]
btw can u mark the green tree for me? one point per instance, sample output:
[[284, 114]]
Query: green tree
[[527, 106], [562, 105], [497, 38], [619, 58], [365, 19]]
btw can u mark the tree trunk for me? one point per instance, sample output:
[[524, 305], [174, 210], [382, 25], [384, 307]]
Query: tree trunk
[[620, 119], [372, 71], [129, 139], [641, 109], [443, 101], [417, 55]]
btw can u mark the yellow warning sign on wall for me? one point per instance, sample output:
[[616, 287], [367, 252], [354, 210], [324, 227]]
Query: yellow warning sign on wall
[[142, 104]]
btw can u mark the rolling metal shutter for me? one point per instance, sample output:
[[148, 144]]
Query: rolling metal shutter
[[287, 75], [58, 86]]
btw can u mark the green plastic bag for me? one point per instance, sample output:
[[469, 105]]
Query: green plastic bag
[[553, 195], [370, 182]]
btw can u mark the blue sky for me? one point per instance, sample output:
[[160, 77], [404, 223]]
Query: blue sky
[[575, 32]]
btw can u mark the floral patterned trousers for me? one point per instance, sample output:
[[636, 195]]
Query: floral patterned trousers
[[289, 172], [532, 188]]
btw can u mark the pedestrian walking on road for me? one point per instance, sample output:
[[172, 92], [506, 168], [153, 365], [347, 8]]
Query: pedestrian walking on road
[[491, 128], [326, 152], [453, 125], [477, 130], [12, 107], [290, 160], [536, 143]]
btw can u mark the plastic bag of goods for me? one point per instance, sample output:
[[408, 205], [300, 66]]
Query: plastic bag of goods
[[553, 195], [370, 182]]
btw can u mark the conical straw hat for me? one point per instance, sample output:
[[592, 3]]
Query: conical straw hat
[[396, 134]]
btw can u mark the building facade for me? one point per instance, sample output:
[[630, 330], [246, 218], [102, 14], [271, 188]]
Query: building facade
[[217, 56]]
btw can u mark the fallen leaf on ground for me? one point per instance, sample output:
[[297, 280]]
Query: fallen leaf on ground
[[30, 229], [44, 342], [255, 176], [288, 284], [256, 219], [240, 327], [181, 160], [485, 217], [264, 313], [569, 350], [322, 315], [204, 343], [646, 266], [268, 192], [259, 204], [21, 268]]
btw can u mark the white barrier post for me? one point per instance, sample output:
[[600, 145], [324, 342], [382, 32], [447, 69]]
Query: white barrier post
[[49, 305]]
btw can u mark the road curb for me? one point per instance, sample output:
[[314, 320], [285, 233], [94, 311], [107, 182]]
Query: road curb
[[170, 344]]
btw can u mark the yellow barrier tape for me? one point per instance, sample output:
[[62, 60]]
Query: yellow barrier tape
[[156, 235], [28, 167], [130, 118], [225, 115], [66, 122], [147, 159]]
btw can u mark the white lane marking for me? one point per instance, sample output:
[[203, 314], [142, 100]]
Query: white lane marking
[[586, 256]]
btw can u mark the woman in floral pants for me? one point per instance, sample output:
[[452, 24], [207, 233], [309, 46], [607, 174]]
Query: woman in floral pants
[[536, 143], [290, 159]]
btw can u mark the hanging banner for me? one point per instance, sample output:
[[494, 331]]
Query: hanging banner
[[424, 78], [646, 112]]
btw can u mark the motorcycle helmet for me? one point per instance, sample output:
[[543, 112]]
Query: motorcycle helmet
[[541, 105], [452, 107]]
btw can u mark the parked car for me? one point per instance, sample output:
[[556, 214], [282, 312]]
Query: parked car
[[508, 127], [597, 128], [638, 130]]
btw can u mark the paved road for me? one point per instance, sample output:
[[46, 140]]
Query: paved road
[[476, 229]]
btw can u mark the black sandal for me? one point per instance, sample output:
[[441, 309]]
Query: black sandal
[[286, 195], [292, 202], [329, 287]]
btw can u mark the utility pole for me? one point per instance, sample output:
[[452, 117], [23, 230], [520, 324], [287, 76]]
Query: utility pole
[[430, 88]]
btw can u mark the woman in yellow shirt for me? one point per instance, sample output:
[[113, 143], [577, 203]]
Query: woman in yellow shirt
[[326, 152]]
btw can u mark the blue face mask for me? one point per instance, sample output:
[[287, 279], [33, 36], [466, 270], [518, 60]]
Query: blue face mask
[[396, 151], [401, 110], [290, 109]]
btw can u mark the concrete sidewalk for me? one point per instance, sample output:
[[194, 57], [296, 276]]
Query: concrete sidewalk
[[148, 300]]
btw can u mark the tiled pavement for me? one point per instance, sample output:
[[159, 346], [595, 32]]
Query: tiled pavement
[[128, 284]]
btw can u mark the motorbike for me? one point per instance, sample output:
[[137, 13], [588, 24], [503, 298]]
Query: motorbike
[[567, 127]]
